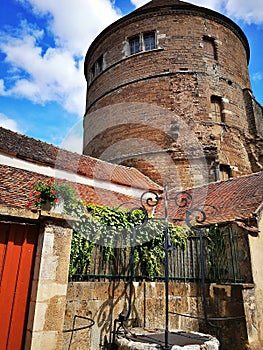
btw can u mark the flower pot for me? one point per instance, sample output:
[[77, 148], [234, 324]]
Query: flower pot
[[58, 207], [46, 206]]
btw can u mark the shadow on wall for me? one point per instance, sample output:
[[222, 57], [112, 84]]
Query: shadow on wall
[[98, 304], [226, 316], [104, 301]]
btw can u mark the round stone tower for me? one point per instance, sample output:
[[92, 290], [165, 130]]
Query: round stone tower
[[168, 92]]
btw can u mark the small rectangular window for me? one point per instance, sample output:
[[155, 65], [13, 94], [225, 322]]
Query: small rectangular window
[[209, 47], [93, 70], [134, 43], [149, 41], [216, 109], [225, 172], [100, 64], [97, 67]]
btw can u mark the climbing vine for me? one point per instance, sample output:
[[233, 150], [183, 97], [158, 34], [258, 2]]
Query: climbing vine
[[112, 228]]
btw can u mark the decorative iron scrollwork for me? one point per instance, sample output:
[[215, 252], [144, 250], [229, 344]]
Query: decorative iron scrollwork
[[182, 200], [139, 216]]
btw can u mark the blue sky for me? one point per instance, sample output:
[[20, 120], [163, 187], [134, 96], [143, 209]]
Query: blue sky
[[42, 48]]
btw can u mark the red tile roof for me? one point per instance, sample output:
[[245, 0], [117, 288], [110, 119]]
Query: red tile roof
[[32, 150], [15, 189], [234, 199], [224, 201]]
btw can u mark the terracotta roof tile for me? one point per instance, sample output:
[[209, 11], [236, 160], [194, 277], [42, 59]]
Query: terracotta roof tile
[[237, 198], [229, 200], [32, 150], [15, 189]]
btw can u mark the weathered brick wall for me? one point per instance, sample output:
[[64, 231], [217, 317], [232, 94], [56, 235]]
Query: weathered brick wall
[[255, 120], [178, 78]]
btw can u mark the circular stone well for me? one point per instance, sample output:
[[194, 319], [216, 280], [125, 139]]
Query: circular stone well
[[139, 338]]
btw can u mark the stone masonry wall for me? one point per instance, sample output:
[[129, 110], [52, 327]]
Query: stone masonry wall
[[177, 77], [255, 119], [49, 285], [104, 301]]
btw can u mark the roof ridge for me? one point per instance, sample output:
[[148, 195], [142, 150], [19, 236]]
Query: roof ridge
[[19, 145], [232, 179]]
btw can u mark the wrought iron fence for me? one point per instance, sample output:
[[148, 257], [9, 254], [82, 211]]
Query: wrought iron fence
[[226, 260]]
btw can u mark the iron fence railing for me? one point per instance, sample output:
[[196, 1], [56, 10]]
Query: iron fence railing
[[226, 260]]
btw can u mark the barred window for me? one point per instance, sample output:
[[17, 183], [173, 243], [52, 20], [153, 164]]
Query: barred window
[[149, 41], [100, 64], [142, 42], [134, 43], [97, 67]]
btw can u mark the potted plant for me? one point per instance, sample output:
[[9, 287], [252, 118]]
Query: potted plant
[[48, 193]]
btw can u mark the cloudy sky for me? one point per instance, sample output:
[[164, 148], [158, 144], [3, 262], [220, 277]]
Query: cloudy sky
[[42, 47]]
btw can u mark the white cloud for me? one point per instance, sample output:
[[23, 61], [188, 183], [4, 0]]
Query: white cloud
[[8, 123], [55, 74], [139, 3], [52, 76], [249, 11], [258, 76], [75, 23], [211, 4], [74, 139]]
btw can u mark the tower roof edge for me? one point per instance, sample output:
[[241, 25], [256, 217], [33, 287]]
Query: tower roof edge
[[176, 6]]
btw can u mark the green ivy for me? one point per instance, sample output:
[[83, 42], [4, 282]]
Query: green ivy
[[114, 227]]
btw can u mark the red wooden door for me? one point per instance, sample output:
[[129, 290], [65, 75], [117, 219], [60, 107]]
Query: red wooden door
[[17, 248]]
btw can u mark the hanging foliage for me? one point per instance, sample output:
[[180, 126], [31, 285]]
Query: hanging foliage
[[118, 228]]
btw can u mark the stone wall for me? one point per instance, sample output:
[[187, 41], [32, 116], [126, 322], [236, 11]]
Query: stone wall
[[48, 297], [255, 119], [104, 301], [254, 307]]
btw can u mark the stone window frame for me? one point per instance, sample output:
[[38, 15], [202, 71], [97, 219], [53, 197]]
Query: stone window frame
[[221, 171], [136, 43], [216, 107], [151, 35], [224, 172], [210, 47], [97, 67]]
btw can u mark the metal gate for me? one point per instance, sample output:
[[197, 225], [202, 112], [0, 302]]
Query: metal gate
[[17, 251]]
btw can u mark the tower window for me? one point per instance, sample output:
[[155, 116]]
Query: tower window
[[97, 67], [134, 43], [221, 171], [225, 171], [100, 64], [93, 70], [142, 42], [149, 41], [216, 109], [209, 47]]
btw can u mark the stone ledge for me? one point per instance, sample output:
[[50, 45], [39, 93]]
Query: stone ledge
[[21, 214], [16, 212]]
